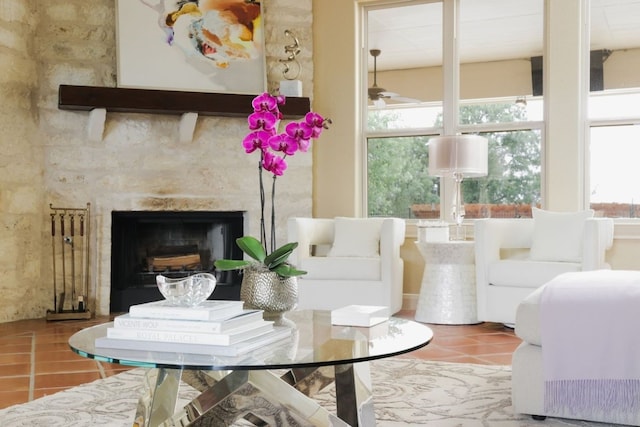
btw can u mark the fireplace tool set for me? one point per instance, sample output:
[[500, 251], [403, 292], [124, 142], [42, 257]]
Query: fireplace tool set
[[70, 251]]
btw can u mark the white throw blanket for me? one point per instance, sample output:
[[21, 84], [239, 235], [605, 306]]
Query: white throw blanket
[[590, 327]]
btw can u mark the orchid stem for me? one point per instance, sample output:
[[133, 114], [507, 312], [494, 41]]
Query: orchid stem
[[273, 214], [263, 231]]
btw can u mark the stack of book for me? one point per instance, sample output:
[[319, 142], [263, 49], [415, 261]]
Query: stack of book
[[215, 327]]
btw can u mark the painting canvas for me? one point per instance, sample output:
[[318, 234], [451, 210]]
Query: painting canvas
[[203, 45]]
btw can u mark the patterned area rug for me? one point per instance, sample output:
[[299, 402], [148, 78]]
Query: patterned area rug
[[407, 392]]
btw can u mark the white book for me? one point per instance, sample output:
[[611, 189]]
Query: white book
[[359, 315], [276, 334], [207, 310], [232, 337], [126, 321]]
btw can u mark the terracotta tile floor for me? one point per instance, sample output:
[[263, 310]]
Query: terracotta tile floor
[[35, 359]]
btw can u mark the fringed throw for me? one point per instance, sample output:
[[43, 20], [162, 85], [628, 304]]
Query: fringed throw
[[590, 344], [592, 397]]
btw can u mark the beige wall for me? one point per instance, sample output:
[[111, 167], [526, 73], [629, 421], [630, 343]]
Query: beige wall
[[498, 78]]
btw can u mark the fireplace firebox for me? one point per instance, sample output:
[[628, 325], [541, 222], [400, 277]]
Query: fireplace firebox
[[174, 244]]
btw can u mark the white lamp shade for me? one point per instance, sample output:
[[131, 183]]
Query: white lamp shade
[[463, 154]]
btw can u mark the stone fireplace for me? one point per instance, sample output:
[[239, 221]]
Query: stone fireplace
[[174, 244]]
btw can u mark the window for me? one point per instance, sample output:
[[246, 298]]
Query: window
[[614, 135], [615, 150], [495, 71]]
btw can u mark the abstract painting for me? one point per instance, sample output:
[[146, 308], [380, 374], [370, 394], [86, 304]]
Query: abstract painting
[[199, 45]]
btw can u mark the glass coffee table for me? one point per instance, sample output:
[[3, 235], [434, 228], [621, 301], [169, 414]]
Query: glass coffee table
[[270, 385]]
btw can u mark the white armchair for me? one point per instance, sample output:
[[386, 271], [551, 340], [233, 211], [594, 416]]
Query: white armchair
[[348, 261], [514, 257]]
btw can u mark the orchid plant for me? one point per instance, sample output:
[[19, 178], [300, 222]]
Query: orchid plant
[[274, 148]]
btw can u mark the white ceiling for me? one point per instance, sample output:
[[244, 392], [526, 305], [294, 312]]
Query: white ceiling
[[411, 36]]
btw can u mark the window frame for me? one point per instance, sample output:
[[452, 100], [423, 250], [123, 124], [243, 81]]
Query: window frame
[[450, 104]]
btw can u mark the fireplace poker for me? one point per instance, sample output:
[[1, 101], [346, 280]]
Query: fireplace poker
[[85, 290], [64, 274], [73, 261], [53, 252]]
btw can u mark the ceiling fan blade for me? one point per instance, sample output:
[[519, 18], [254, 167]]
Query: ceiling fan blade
[[405, 99], [377, 94], [379, 103]]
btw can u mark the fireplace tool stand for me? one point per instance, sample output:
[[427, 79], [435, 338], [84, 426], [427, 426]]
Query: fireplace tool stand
[[70, 232]]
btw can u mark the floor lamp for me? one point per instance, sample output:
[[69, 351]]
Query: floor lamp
[[458, 157]]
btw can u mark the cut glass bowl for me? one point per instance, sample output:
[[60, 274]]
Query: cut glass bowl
[[186, 291]]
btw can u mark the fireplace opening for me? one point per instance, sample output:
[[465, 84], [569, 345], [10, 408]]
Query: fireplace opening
[[174, 244]]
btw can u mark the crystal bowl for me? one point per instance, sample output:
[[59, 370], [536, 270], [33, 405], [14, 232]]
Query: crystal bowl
[[186, 291]]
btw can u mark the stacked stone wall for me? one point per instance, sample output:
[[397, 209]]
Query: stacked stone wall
[[21, 180], [138, 165]]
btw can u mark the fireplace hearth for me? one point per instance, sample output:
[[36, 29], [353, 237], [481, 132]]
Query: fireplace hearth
[[174, 244]]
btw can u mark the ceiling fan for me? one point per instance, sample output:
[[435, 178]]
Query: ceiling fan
[[378, 94]]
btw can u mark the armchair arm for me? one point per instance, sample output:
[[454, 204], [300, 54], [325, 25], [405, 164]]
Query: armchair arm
[[598, 237], [392, 235], [308, 232], [492, 235]]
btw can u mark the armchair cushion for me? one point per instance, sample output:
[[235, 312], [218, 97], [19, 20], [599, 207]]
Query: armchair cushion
[[355, 237], [527, 273], [558, 236]]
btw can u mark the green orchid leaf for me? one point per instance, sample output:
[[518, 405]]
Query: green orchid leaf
[[252, 247], [230, 264], [286, 270], [280, 255]]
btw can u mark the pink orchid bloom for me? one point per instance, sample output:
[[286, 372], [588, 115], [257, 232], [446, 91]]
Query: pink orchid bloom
[[265, 120], [274, 164], [258, 140], [303, 145], [283, 143], [300, 133], [265, 102], [315, 122]]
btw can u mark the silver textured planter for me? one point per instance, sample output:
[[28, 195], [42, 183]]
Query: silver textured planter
[[265, 290]]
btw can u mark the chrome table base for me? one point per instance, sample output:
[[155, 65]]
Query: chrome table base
[[259, 396]]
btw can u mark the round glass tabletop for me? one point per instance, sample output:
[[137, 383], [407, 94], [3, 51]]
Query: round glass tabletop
[[308, 339]]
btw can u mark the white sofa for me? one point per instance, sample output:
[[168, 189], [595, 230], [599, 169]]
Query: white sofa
[[348, 261], [528, 375], [506, 270]]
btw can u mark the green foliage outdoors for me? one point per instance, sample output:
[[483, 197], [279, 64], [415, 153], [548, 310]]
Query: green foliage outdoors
[[397, 167]]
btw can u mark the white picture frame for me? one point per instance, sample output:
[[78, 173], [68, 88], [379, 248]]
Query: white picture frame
[[194, 47]]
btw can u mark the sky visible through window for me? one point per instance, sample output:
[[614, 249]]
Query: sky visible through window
[[614, 150]]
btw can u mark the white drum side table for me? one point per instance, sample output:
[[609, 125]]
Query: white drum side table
[[448, 290]]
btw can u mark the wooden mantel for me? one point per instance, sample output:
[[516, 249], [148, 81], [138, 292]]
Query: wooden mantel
[[126, 100], [100, 100]]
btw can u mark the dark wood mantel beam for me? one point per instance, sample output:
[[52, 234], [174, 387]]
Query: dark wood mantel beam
[[126, 100]]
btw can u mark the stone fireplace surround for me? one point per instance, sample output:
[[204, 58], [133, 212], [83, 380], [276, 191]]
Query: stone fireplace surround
[[102, 218], [199, 238]]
